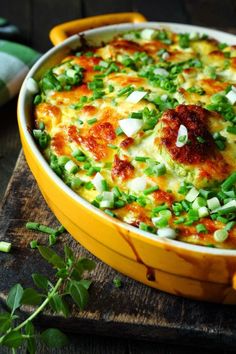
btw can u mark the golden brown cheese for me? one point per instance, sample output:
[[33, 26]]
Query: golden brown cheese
[[144, 171]]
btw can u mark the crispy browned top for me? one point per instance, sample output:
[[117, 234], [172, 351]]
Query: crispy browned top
[[194, 118]]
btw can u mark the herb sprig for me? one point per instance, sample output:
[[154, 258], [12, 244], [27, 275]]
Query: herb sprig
[[69, 284]]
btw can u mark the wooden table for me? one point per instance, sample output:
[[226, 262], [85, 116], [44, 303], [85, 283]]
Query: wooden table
[[34, 27]]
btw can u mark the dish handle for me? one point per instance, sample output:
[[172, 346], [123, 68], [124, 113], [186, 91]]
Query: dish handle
[[60, 32]]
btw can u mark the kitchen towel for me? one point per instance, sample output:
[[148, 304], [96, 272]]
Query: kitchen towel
[[15, 61]]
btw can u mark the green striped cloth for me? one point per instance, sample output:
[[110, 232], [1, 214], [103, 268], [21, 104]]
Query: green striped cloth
[[15, 61]]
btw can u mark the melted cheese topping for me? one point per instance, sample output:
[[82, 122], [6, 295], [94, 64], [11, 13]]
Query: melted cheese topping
[[85, 100]]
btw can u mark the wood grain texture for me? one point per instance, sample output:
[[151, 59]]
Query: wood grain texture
[[133, 311]]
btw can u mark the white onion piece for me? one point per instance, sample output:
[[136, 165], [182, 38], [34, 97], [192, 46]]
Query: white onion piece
[[32, 85], [182, 132], [148, 33], [130, 126], [192, 195], [164, 97], [138, 184], [107, 200], [167, 232], [233, 88], [230, 204], [231, 95], [97, 182], [71, 73], [136, 96], [165, 55], [161, 71]]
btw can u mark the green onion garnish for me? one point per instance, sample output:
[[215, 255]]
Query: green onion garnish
[[201, 228], [220, 235], [150, 190], [141, 158], [231, 130], [229, 182], [92, 121], [5, 246], [110, 213], [34, 244], [104, 185], [119, 131]]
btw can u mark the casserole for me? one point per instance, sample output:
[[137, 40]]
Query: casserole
[[176, 267]]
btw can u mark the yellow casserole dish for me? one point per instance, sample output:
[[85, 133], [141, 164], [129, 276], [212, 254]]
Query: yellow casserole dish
[[176, 267]]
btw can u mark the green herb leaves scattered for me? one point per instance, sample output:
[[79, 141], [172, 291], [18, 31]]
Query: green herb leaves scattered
[[69, 278]]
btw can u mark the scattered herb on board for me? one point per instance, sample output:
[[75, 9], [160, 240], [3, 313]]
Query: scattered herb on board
[[117, 282], [70, 283]]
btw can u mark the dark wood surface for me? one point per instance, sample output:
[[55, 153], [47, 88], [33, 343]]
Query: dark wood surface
[[131, 312], [35, 18]]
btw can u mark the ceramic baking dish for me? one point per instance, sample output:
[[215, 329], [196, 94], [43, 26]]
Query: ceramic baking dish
[[179, 268]]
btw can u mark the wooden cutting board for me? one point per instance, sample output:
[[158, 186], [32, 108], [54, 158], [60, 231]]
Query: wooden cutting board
[[134, 311]]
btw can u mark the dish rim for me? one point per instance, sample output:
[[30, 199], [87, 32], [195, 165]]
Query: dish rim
[[24, 97]]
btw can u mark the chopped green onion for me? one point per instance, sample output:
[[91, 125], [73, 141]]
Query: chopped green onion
[[198, 203], [117, 282], [160, 221], [116, 191], [160, 169], [92, 121], [92, 170], [104, 185], [222, 219], [114, 147], [141, 158], [165, 214], [52, 239], [34, 244], [110, 213], [213, 203], [71, 167], [203, 211], [5, 246], [88, 185], [230, 225], [167, 232], [120, 203], [81, 158], [231, 130], [201, 228], [76, 182], [159, 208], [192, 194], [124, 91], [229, 182], [220, 235], [39, 227], [150, 190], [62, 160], [119, 131], [180, 220], [201, 140]]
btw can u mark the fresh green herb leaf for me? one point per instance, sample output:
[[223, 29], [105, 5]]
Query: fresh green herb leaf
[[79, 294], [54, 338], [31, 297], [14, 297]]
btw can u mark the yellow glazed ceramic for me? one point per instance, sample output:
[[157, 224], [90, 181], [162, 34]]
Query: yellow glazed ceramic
[[179, 268]]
